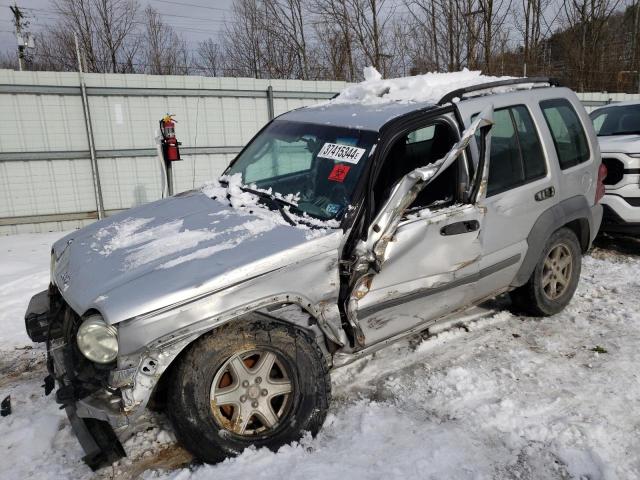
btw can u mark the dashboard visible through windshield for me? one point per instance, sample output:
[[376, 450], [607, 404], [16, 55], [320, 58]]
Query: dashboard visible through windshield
[[320, 164]]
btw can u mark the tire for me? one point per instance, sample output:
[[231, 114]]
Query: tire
[[219, 400], [537, 297]]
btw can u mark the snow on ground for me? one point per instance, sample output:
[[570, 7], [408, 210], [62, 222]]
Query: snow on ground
[[24, 270], [429, 87], [500, 397]]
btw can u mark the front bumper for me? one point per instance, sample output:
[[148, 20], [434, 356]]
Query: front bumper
[[91, 414], [612, 222]]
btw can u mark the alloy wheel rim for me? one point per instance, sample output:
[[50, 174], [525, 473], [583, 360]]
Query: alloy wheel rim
[[557, 271], [250, 393]]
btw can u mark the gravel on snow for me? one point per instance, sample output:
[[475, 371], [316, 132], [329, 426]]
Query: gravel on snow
[[500, 397]]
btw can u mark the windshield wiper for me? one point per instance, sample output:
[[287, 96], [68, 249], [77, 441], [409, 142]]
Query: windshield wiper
[[273, 201]]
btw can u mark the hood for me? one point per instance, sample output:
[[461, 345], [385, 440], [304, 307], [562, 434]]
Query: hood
[[619, 143], [172, 250]]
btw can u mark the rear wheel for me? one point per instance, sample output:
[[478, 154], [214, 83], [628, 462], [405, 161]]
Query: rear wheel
[[554, 279], [252, 382]]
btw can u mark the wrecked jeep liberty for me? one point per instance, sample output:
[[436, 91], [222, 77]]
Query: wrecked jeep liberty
[[338, 229]]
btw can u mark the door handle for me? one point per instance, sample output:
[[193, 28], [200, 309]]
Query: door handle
[[544, 194], [460, 227]]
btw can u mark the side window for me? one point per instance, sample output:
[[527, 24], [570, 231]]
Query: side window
[[567, 132], [532, 156], [421, 135], [516, 153]]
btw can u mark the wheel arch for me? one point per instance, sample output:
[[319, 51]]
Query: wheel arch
[[573, 213], [311, 324]]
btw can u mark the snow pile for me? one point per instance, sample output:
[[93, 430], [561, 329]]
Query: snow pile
[[429, 88], [248, 202]]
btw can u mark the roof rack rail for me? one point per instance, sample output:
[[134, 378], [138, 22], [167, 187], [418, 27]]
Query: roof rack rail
[[459, 93]]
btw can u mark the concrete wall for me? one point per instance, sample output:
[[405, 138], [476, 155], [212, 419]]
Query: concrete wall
[[46, 179]]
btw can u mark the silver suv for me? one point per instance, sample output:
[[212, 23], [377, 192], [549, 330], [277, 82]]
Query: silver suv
[[336, 231], [618, 130]]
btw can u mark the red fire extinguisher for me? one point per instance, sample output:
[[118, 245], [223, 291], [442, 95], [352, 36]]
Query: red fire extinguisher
[[170, 150]]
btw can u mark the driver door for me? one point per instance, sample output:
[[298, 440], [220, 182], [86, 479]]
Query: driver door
[[431, 266], [431, 269]]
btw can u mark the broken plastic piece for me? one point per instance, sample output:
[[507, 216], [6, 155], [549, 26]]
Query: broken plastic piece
[[49, 384], [5, 406]]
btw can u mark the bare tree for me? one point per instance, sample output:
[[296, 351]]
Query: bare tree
[[115, 20], [285, 19], [243, 37], [164, 51], [586, 23], [78, 17], [493, 14], [208, 60], [105, 30], [335, 17]]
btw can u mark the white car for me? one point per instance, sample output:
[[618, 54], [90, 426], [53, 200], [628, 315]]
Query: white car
[[618, 130]]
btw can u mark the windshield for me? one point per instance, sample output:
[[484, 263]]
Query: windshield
[[617, 120], [319, 164]]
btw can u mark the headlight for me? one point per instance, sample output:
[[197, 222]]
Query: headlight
[[98, 341]]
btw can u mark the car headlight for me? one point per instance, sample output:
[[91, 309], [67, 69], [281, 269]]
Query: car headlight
[[97, 340]]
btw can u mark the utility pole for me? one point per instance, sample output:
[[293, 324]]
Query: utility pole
[[24, 38]]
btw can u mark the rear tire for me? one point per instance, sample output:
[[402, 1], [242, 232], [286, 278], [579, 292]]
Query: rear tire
[[554, 279], [252, 382]]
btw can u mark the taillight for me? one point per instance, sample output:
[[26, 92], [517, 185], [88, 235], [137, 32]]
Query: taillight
[[602, 174]]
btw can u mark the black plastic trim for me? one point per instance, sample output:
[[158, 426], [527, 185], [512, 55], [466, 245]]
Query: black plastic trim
[[98, 440], [613, 223], [555, 217]]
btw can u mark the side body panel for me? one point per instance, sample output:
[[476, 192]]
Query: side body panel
[[515, 219], [317, 294], [425, 274]]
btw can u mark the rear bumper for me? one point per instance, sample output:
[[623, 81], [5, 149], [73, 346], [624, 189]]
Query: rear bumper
[[90, 420]]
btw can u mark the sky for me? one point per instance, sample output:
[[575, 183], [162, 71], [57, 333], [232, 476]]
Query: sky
[[196, 20]]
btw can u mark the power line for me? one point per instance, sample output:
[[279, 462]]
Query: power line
[[206, 7]]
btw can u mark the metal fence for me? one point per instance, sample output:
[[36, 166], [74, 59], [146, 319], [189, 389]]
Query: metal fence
[[50, 135], [48, 139]]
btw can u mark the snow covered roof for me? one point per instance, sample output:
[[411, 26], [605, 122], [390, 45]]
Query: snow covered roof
[[427, 88], [370, 104]]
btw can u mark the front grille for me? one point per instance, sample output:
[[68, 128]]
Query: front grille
[[615, 170]]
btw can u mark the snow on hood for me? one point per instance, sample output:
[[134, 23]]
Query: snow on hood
[[173, 249], [429, 88], [620, 143]]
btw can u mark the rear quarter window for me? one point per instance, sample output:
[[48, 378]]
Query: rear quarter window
[[567, 132]]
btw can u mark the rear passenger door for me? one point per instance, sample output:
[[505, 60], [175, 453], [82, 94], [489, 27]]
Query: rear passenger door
[[519, 189]]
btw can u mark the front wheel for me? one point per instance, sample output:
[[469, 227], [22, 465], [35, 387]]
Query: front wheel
[[251, 382], [554, 279]]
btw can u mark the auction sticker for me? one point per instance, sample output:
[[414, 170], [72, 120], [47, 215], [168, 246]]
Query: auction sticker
[[341, 153], [339, 173]]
